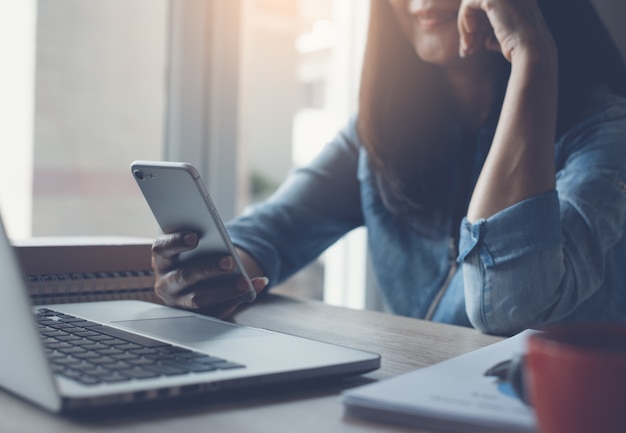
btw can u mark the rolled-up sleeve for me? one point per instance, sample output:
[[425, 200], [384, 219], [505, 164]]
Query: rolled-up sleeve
[[508, 260], [537, 261]]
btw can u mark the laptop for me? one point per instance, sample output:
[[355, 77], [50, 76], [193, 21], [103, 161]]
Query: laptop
[[95, 354]]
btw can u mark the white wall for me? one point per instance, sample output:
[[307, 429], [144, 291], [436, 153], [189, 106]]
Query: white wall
[[17, 98]]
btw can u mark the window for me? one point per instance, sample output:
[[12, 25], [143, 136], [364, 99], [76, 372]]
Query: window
[[300, 66], [86, 82], [246, 90]]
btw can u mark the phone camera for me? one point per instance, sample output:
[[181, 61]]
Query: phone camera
[[139, 174]]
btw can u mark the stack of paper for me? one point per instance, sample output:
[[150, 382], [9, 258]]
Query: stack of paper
[[452, 396]]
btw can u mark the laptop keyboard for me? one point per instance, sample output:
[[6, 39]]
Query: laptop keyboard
[[91, 353]]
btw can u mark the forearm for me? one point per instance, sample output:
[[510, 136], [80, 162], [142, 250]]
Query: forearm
[[282, 239], [315, 206], [520, 163]]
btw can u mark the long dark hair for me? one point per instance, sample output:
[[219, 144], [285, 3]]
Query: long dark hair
[[405, 110]]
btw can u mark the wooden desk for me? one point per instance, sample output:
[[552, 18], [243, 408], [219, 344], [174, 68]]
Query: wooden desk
[[405, 344]]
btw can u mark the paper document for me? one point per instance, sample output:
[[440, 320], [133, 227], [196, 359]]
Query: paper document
[[451, 396]]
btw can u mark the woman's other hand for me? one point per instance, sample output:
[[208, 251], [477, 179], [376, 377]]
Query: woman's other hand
[[508, 26], [209, 285]]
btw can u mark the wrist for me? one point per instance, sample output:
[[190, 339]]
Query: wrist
[[540, 56]]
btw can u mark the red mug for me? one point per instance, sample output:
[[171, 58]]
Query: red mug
[[576, 377]]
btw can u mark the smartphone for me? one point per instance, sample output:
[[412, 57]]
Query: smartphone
[[180, 202]]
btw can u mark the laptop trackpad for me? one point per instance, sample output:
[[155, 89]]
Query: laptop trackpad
[[189, 329]]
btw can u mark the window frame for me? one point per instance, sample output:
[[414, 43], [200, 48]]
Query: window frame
[[202, 94], [202, 123]]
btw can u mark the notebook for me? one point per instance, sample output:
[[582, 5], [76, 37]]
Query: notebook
[[451, 396], [149, 351]]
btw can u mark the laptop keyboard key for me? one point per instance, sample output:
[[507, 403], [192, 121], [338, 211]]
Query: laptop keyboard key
[[166, 370], [140, 373]]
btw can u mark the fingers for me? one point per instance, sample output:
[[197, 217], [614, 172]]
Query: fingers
[[219, 302], [475, 29], [501, 25], [229, 309], [209, 286], [178, 284], [492, 44], [167, 247], [207, 283], [467, 24]]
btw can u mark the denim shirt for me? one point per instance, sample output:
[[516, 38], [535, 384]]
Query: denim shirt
[[556, 257]]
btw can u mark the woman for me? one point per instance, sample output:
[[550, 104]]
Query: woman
[[487, 160]]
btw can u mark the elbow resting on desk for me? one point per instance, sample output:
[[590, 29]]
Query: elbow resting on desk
[[506, 298], [537, 274]]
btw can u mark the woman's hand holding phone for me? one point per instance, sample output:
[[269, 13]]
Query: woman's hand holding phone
[[207, 284]]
